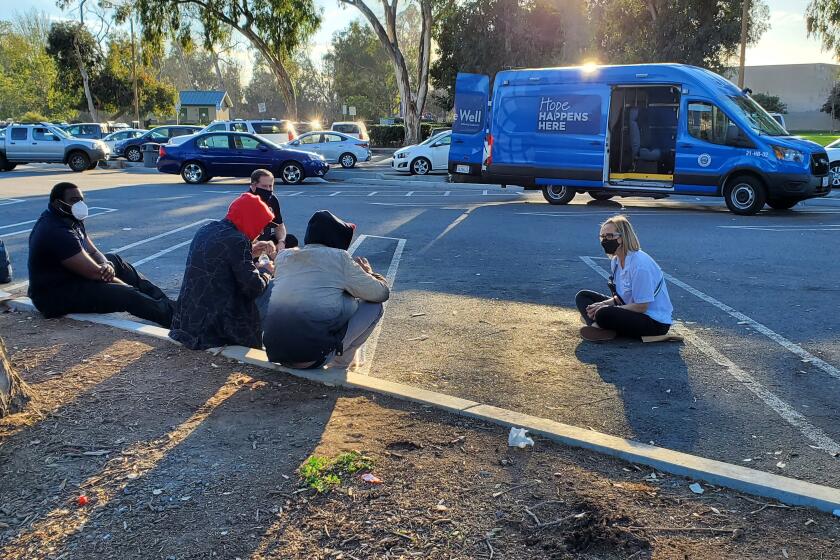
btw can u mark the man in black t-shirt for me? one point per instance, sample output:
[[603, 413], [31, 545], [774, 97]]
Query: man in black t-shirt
[[68, 274], [262, 185]]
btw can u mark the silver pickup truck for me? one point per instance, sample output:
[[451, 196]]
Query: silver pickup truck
[[45, 143]]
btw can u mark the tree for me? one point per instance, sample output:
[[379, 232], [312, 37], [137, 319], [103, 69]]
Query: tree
[[822, 20], [364, 77], [486, 36], [832, 104], [704, 33], [413, 100], [275, 28], [771, 103], [263, 89], [316, 89], [14, 393], [75, 50]]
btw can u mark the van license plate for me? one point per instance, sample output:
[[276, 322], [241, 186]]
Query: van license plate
[[466, 169], [824, 181]]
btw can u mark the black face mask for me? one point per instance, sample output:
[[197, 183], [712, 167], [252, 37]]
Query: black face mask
[[263, 194], [610, 246]]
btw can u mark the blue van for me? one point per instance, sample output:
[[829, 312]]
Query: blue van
[[641, 130]]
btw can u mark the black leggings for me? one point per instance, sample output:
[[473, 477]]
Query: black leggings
[[623, 321], [140, 297]]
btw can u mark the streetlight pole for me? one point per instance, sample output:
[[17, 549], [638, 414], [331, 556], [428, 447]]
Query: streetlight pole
[[745, 17]]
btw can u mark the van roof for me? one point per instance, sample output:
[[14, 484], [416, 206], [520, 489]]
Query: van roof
[[630, 73]]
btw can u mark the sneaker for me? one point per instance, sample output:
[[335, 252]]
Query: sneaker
[[594, 334]]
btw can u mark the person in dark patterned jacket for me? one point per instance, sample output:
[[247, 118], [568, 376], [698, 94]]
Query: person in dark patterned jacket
[[217, 304]]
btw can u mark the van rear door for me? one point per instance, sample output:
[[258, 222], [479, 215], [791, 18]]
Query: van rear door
[[472, 92]]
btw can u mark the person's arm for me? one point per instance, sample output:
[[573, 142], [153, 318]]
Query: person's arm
[[108, 272], [250, 280], [280, 235], [637, 307], [82, 264], [362, 282]]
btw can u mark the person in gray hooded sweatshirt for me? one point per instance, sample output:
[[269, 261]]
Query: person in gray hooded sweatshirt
[[324, 303]]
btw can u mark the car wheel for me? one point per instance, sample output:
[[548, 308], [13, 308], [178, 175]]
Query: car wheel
[[782, 203], [744, 195], [133, 154], [600, 196], [347, 160], [93, 165], [558, 195], [291, 173], [421, 166], [78, 161], [194, 173], [834, 173]]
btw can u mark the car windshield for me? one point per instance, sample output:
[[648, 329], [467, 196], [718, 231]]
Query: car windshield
[[835, 144], [431, 139], [61, 133], [758, 119]]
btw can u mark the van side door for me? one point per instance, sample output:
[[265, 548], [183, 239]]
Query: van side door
[[709, 145], [466, 153]]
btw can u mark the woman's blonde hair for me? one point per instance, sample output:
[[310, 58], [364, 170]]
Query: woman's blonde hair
[[625, 229]]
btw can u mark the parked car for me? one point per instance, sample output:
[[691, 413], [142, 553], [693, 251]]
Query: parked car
[[237, 154], [334, 146], [95, 131], [45, 143], [833, 151], [438, 130], [131, 148], [355, 129], [124, 134], [275, 131], [304, 126], [427, 156], [639, 130]]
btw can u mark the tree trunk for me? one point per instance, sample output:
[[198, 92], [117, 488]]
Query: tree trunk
[[86, 83], [14, 393], [286, 88]]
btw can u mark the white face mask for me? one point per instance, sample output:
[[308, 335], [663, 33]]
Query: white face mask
[[79, 209]]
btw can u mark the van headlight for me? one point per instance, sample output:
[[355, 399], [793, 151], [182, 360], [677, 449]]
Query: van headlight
[[788, 154]]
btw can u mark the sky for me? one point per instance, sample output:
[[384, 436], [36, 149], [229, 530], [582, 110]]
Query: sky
[[786, 42]]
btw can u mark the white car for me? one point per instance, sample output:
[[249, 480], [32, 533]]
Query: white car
[[833, 151], [430, 155], [354, 129], [124, 134], [272, 130], [334, 146]]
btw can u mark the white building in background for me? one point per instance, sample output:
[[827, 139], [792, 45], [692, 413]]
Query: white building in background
[[803, 87]]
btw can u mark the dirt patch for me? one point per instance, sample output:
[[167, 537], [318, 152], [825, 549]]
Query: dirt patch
[[183, 455]]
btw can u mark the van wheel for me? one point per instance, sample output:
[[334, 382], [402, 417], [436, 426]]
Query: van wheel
[[347, 160], [78, 162], [834, 173], [600, 196], [421, 166], [558, 195], [782, 203], [744, 195]]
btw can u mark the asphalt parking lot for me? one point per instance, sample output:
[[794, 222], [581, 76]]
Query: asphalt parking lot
[[484, 284]]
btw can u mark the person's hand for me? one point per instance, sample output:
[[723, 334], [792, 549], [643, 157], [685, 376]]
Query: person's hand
[[268, 267], [379, 277], [363, 262], [106, 272], [591, 310], [260, 247]]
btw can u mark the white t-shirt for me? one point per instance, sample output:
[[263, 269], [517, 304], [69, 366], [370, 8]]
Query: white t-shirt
[[637, 282]]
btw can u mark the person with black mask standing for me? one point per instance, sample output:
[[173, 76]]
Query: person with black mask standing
[[68, 274], [262, 185], [639, 305]]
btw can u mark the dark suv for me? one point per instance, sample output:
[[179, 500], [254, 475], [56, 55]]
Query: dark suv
[[131, 149]]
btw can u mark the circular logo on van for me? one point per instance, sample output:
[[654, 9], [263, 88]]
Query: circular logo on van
[[703, 160]]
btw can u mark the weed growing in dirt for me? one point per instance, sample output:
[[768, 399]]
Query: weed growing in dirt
[[323, 474]]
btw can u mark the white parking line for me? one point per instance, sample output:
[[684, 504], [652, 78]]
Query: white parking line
[[334, 193], [91, 215], [283, 193], [368, 351], [372, 193], [783, 409], [7, 201], [409, 193], [788, 229], [164, 234], [163, 252]]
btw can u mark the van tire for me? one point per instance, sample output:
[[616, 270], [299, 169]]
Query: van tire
[[420, 166], [600, 196], [558, 195], [78, 161], [745, 195]]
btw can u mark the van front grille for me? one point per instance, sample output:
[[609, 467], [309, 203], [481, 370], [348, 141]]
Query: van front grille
[[819, 163]]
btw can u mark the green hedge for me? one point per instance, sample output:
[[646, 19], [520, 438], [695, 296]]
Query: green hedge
[[393, 136]]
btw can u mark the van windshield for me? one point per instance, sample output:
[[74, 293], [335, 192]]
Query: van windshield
[[759, 119]]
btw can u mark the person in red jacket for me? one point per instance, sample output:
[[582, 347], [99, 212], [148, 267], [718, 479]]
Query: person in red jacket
[[217, 303]]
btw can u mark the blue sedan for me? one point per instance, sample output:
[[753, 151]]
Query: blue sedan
[[237, 154]]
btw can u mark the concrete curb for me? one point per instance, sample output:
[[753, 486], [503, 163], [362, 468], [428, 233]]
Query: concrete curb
[[786, 490]]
